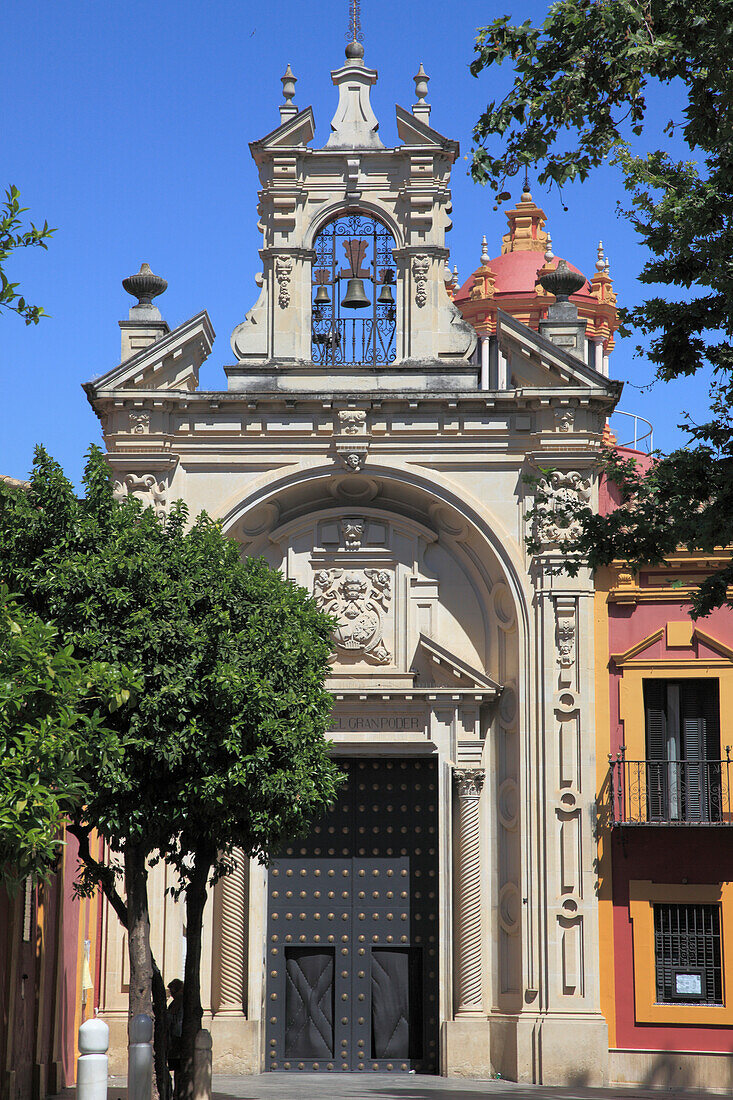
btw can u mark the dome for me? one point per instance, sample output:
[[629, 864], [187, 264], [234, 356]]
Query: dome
[[516, 276]]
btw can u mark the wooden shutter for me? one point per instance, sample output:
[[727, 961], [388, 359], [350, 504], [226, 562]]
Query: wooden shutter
[[655, 707], [700, 721]]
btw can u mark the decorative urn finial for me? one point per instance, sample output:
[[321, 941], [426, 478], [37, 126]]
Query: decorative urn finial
[[562, 282], [421, 79], [601, 261], [289, 80], [144, 286], [484, 250]]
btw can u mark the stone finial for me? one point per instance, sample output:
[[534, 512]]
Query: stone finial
[[288, 108], [549, 254], [484, 250], [144, 286], [354, 51], [144, 324], [421, 109], [456, 280], [289, 80], [421, 79], [601, 261]]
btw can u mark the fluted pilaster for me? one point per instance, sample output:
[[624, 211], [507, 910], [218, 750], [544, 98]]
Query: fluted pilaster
[[468, 961]]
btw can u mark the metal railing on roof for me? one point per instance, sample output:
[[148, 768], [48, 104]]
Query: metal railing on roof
[[642, 437]]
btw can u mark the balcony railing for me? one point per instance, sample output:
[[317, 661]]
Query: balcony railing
[[670, 792]]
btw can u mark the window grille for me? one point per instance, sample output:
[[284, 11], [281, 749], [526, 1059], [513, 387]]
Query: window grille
[[354, 308], [688, 954]]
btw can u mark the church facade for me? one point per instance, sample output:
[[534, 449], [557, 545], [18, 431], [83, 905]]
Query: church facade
[[378, 442]]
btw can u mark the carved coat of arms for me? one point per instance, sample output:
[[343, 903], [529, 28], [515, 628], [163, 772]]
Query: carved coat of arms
[[359, 600]]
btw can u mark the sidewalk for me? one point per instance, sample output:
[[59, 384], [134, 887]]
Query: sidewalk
[[386, 1086]]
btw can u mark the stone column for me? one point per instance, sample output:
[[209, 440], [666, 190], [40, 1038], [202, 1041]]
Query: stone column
[[468, 937], [232, 963], [484, 340]]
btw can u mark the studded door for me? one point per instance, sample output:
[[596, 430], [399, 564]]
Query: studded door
[[352, 929]]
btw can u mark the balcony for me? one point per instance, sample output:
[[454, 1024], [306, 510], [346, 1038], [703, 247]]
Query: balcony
[[670, 792]]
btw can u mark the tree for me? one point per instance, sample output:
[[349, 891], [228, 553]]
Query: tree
[[578, 97], [223, 745], [12, 237], [53, 741]]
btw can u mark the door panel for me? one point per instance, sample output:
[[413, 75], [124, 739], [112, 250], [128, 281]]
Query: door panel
[[353, 929]]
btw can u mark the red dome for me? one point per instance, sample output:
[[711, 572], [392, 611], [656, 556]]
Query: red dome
[[516, 273]]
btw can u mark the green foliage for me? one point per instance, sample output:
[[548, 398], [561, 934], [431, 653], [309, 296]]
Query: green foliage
[[12, 237], [578, 97], [53, 741], [224, 743]]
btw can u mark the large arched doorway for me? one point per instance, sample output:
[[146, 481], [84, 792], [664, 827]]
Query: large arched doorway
[[426, 681]]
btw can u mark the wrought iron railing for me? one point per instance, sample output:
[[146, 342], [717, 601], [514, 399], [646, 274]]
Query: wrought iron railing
[[670, 792], [354, 339]]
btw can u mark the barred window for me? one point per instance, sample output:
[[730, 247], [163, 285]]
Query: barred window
[[688, 954]]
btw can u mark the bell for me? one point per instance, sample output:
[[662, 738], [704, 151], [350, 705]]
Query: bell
[[385, 296], [355, 298], [322, 298]]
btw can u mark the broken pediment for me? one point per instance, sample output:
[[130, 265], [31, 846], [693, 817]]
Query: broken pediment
[[294, 133], [413, 131], [169, 363]]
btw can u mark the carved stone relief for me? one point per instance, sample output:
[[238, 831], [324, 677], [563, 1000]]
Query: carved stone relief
[[420, 269], [561, 489], [564, 418], [139, 422], [352, 421], [283, 271], [352, 529], [146, 488], [360, 600]]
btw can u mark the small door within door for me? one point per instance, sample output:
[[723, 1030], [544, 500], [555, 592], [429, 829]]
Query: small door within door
[[352, 931]]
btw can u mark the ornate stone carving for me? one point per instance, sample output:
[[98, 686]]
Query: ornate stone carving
[[561, 490], [352, 529], [353, 457], [469, 782], [146, 488], [139, 422], [352, 421], [566, 643], [468, 963], [360, 600], [283, 271], [564, 418], [420, 269]]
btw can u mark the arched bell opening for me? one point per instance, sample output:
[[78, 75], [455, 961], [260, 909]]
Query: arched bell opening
[[353, 298]]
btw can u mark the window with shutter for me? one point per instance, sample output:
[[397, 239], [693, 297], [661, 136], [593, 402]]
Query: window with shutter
[[683, 750]]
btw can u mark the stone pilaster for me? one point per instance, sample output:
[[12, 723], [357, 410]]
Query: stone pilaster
[[232, 963], [468, 938]]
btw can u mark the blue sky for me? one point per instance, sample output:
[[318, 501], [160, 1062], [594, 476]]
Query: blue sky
[[127, 125]]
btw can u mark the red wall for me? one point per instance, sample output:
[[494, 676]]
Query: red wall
[[665, 855]]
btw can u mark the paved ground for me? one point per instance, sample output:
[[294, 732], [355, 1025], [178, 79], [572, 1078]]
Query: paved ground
[[408, 1086]]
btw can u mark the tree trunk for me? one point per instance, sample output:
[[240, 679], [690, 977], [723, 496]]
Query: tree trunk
[[106, 881], [160, 1037], [192, 1012], [138, 935]]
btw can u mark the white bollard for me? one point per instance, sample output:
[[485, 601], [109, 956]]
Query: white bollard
[[140, 1058], [91, 1069], [202, 1066]]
